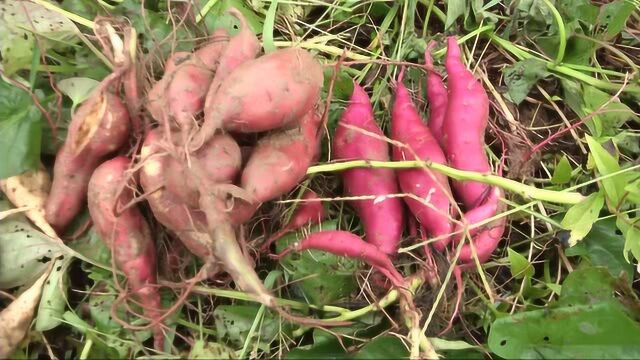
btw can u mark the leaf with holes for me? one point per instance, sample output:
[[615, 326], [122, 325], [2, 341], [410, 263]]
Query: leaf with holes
[[522, 76], [587, 322], [320, 277], [210, 350], [54, 296], [613, 17], [233, 323]]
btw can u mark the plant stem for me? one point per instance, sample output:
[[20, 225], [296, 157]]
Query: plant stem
[[526, 191], [562, 33], [69, 15]]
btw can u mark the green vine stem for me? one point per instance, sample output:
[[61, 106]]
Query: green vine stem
[[526, 191], [562, 33]]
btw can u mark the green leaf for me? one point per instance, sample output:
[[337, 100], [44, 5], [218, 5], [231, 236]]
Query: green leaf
[[20, 131], [581, 216], [562, 172], [632, 242], [520, 266], [455, 8], [383, 347], [522, 76], [233, 323], [210, 350], [321, 278], [21, 21], [612, 116], [587, 322], [25, 252], [603, 247], [54, 296], [613, 17], [449, 345], [607, 164], [78, 89]]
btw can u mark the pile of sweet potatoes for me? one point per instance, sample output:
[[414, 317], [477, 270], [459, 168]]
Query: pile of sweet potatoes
[[202, 177]]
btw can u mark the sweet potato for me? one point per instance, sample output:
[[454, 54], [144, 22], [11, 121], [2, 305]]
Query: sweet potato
[[30, 189], [189, 224], [307, 212], [99, 127], [344, 243], [464, 126], [407, 128], [264, 94], [220, 159], [127, 234], [243, 47], [437, 98], [155, 101], [280, 160], [382, 218]]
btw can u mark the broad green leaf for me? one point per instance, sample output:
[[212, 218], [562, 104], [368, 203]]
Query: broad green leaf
[[329, 349], [633, 191], [522, 76], [603, 247], [78, 89], [321, 278], [627, 141], [233, 323], [587, 322], [607, 164], [520, 266], [613, 17], [210, 350], [21, 21], [383, 347], [562, 172], [20, 131], [455, 8], [54, 296], [448, 345], [25, 252], [611, 117], [580, 217]]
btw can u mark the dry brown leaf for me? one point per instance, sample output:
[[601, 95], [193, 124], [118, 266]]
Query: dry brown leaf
[[16, 318], [30, 190]]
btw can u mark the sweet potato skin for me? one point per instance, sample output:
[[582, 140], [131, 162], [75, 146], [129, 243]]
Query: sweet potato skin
[[382, 218], [281, 159], [187, 223], [243, 104], [407, 128], [99, 127], [464, 126], [128, 234], [438, 98]]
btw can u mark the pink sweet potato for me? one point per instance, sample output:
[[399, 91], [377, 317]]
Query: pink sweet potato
[[407, 128], [99, 127], [280, 160], [307, 212], [155, 101], [189, 224], [243, 47], [344, 243], [437, 98], [382, 218], [264, 94], [127, 235], [220, 159], [464, 126]]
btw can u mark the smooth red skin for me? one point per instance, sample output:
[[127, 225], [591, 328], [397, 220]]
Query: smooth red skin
[[189, 224], [346, 244], [128, 235], [488, 209], [242, 48], [383, 221], [464, 126], [220, 159], [264, 94], [280, 160], [437, 97], [73, 167], [407, 127], [241, 211], [186, 92], [210, 54]]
